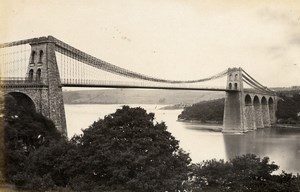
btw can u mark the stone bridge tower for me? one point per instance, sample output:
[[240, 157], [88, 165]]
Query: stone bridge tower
[[42, 85], [233, 111], [246, 109]]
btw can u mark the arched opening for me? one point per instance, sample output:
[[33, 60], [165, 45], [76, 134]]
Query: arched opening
[[270, 102], [16, 101], [236, 77], [249, 114], [38, 74], [235, 86], [30, 75], [257, 112], [256, 100], [263, 101], [230, 86], [230, 77], [33, 53], [41, 56], [271, 110], [248, 100]]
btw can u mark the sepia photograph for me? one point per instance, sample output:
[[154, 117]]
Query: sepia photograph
[[150, 96]]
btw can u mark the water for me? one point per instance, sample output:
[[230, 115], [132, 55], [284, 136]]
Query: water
[[282, 145]]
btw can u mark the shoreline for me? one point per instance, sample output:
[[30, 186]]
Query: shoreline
[[217, 123], [295, 126]]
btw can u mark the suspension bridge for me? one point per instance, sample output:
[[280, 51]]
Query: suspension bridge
[[34, 71]]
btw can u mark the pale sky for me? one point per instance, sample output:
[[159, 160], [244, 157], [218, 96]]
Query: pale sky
[[172, 39]]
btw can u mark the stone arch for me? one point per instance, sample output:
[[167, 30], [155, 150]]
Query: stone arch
[[256, 100], [271, 110], [21, 100], [41, 56], [258, 112], [230, 86], [270, 101], [235, 86], [230, 77], [33, 53], [236, 77], [264, 100], [30, 75], [38, 74], [248, 100], [265, 112]]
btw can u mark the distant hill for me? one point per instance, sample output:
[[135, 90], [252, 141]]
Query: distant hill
[[131, 96]]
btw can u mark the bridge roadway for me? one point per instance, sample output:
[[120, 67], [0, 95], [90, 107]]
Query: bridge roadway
[[104, 84], [146, 87]]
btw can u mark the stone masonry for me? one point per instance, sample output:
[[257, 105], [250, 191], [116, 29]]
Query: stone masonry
[[47, 97]]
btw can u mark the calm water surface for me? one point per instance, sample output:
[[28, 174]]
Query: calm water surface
[[282, 145]]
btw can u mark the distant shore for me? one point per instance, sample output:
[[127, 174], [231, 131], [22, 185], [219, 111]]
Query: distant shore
[[200, 121], [204, 126], [296, 126]]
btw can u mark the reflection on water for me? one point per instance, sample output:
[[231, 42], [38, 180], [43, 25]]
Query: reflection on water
[[282, 145]]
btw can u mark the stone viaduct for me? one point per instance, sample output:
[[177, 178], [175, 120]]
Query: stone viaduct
[[247, 109]]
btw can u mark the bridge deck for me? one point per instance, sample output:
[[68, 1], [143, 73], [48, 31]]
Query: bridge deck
[[146, 87]]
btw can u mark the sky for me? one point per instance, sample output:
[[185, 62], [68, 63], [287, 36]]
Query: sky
[[172, 39]]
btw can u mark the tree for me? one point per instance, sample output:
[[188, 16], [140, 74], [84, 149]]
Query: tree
[[288, 107], [127, 151], [25, 132], [204, 111], [243, 173]]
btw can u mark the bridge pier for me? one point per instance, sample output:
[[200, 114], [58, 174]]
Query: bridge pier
[[272, 110], [265, 112], [258, 113], [249, 117], [232, 121]]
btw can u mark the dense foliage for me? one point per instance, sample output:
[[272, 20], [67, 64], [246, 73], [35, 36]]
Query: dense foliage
[[25, 132], [244, 173], [205, 111], [288, 108], [127, 151]]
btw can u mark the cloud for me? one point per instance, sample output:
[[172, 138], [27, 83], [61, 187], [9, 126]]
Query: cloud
[[279, 15], [295, 40]]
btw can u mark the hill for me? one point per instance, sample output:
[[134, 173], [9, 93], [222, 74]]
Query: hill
[[131, 96]]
